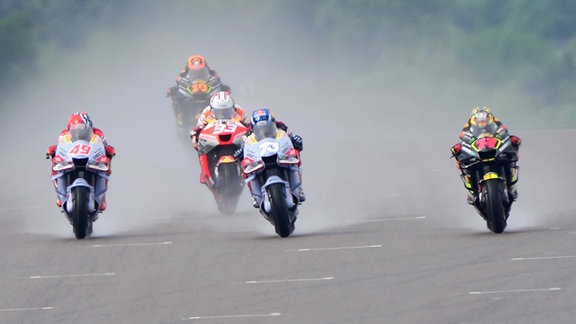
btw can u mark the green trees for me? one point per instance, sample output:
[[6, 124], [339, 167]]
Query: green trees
[[519, 44]]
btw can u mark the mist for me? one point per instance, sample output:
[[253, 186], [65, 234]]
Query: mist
[[371, 150]]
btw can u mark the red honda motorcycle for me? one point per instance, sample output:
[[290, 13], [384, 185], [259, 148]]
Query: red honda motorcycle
[[219, 140]]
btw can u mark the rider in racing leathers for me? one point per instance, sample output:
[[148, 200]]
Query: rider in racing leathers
[[482, 117], [196, 68], [222, 107], [259, 118], [81, 120]]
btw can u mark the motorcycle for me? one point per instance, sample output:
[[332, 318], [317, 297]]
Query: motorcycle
[[188, 103], [270, 159], [219, 140], [80, 169], [488, 161]]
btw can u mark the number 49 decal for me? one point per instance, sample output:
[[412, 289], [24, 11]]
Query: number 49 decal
[[82, 149]]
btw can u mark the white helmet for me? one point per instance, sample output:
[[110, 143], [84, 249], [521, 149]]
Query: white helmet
[[222, 105]]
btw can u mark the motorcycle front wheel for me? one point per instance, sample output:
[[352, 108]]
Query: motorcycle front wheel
[[279, 210], [229, 188], [496, 216], [80, 196]]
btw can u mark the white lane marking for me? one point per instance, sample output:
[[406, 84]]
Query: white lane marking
[[104, 274], [545, 258], [26, 309], [394, 219], [286, 280], [130, 244], [512, 291], [341, 248], [19, 208], [232, 316]]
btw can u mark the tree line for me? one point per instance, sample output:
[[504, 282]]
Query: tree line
[[529, 43]]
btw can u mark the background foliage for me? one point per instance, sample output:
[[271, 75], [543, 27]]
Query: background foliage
[[519, 49]]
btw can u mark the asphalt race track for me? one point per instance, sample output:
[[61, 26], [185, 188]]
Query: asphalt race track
[[400, 245]]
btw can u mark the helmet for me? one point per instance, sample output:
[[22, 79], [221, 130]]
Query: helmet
[[222, 105], [263, 125], [196, 68], [195, 62], [79, 118], [262, 116], [481, 117], [80, 126]]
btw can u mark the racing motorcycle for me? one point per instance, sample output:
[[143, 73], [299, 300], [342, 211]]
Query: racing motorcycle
[[219, 140], [488, 161], [192, 98], [80, 171], [270, 159]]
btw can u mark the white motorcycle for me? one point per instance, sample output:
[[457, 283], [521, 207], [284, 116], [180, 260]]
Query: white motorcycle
[[272, 161], [80, 170]]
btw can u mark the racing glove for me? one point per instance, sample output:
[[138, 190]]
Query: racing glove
[[297, 142], [238, 154], [50, 151], [516, 141], [194, 137], [110, 151]]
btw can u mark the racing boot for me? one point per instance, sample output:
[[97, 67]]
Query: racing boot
[[255, 193], [254, 202], [296, 185], [205, 177], [102, 206], [471, 198], [58, 202], [513, 192], [302, 196]]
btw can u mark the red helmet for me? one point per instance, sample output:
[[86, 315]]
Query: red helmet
[[79, 118]]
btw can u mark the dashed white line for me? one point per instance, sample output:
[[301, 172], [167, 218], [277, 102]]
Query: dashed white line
[[104, 274], [513, 291], [286, 280], [19, 208], [131, 244], [26, 309], [545, 258], [232, 316], [341, 248]]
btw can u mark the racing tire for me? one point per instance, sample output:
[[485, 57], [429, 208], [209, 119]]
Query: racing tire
[[279, 210], [80, 196], [495, 211], [229, 188]]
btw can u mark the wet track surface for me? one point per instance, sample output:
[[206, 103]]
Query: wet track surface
[[399, 245]]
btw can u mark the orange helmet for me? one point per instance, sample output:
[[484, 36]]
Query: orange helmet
[[79, 118], [195, 62]]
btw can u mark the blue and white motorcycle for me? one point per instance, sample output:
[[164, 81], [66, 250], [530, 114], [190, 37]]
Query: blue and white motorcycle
[[271, 168], [80, 170]]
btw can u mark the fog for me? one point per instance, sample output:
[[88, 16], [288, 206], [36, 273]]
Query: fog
[[370, 150]]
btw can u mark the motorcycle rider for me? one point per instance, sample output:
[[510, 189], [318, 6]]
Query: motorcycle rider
[[263, 118], [81, 124], [196, 68], [221, 108], [481, 118]]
